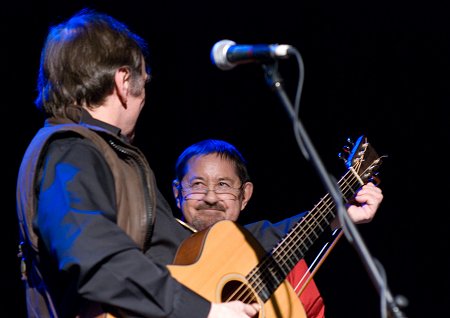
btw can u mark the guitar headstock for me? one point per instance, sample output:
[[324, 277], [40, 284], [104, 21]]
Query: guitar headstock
[[362, 158]]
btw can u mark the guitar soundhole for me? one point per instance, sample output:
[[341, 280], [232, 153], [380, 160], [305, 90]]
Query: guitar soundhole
[[236, 290]]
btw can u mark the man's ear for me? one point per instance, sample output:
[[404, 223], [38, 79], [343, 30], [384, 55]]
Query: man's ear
[[177, 192], [247, 191], [122, 83]]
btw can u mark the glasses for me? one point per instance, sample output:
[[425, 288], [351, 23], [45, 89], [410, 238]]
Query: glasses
[[198, 191]]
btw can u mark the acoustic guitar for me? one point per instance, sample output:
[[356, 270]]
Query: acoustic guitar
[[226, 263]]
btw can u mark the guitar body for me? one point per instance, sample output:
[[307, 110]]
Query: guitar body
[[214, 263]]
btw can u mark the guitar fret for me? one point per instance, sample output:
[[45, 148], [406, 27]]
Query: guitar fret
[[275, 267]]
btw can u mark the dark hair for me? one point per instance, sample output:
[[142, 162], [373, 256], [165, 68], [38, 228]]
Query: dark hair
[[80, 58], [210, 146]]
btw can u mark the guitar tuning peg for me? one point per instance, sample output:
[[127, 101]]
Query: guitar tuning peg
[[375, 180], [350, 141], [346, 149], [343, 156]]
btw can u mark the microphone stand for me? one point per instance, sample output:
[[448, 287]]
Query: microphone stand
[[274, 81]]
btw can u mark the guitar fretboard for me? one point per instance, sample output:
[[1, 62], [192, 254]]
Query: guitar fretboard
[[275, 266]]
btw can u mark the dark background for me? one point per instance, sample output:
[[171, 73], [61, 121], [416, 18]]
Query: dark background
[[380, 69]]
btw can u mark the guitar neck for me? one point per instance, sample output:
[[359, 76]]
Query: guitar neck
[[274, 268]]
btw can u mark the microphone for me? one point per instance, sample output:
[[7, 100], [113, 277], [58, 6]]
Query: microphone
[[227, 54]]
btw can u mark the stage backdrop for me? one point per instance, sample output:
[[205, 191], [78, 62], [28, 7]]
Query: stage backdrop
[[376, 69]]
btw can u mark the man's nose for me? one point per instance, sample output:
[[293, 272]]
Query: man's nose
[[210, 196]]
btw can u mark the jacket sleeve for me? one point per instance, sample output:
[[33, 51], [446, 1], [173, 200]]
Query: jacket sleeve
[[95, 259]]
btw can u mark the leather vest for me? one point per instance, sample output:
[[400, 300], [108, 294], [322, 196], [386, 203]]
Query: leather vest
[[135, 195]]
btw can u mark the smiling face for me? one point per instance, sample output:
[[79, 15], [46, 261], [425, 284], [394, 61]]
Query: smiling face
[[218, 191]]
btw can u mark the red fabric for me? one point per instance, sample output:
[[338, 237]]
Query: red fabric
[[310, 297]]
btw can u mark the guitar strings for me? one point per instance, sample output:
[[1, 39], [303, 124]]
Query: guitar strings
[[244, 294], [324, 252], [326, 209]]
